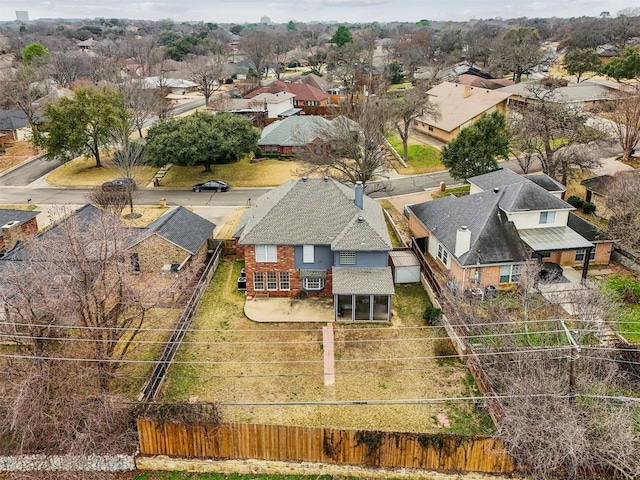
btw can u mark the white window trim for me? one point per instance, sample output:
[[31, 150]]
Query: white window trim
[[308, 254], [305, 284], [256, 276], [549, 217], [266, 253], [443, 254], [515, 271], [284, 284], [272, 281]]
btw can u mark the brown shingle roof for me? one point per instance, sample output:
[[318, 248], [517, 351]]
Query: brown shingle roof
[[302, 91]]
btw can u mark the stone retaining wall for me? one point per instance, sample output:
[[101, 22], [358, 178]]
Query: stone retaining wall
[[67, 463], [264, 467]]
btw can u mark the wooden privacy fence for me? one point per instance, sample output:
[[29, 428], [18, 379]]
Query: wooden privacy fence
[[324, 445]]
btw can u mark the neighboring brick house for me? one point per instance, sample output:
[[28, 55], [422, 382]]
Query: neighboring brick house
[[489, 236], [318, 237], [16, 226], [583, 96], [293, 135], [14, 126], [172, 241], [458, 106], [305, 95]]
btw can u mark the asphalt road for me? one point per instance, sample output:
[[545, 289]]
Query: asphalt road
[[143, 196], [28, 172]]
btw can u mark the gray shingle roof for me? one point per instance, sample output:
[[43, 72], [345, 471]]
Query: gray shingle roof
[[22, 216], [315, 212], [493, 238], [504, 176], [586, 229], [183, 228], [529, 196], [546, 182], [294, 131], [362, 281], [11, 120]]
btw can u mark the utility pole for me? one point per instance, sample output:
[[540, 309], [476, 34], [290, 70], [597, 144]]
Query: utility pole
[[575, 354]]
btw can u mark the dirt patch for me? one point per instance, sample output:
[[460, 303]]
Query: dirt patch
[[383, 372]]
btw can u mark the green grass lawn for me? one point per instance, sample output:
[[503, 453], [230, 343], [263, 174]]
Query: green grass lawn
[[626, 289], [422, 158]]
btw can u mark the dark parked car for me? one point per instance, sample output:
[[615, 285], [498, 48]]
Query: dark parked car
[[119, 184], [217, 185]]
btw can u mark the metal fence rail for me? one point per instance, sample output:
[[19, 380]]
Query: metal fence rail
[[151, 389]]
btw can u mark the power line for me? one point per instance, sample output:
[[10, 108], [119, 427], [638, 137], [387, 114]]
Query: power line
[[18, 337], [278, 362]]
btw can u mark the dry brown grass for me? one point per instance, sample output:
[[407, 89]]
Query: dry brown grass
[[15, 154], [230, 225], [143, 215], [83, 172], [284, 363]]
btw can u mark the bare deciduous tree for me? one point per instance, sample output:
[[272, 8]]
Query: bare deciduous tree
[[353, 142], [414, 103], [518, 50], [621, 201], [547, 125], [626, 120], [82, 269], [141, 102], [22, 88], [67, 67], [208, 73], [257, 48], [559, 414]]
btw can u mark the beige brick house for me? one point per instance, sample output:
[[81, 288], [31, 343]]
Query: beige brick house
[[177, 238], [508, 221]]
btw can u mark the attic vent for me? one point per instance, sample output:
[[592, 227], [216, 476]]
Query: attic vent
[[304, 179], [326, 179], [361, 218], [495, 190]]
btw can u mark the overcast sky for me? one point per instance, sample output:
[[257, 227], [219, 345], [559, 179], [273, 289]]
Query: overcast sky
[[281, 11]]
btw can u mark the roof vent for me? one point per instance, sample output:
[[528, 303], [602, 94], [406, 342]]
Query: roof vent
[[304, 179], [361, 218], [326, 179], [495, 190]]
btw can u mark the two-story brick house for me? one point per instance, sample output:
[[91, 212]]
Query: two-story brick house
[[488, 237], [317, 237]]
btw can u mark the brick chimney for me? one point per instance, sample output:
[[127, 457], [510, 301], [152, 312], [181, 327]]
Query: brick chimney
[[463, 241], [467, 91], [359, 195], [11, 234]]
